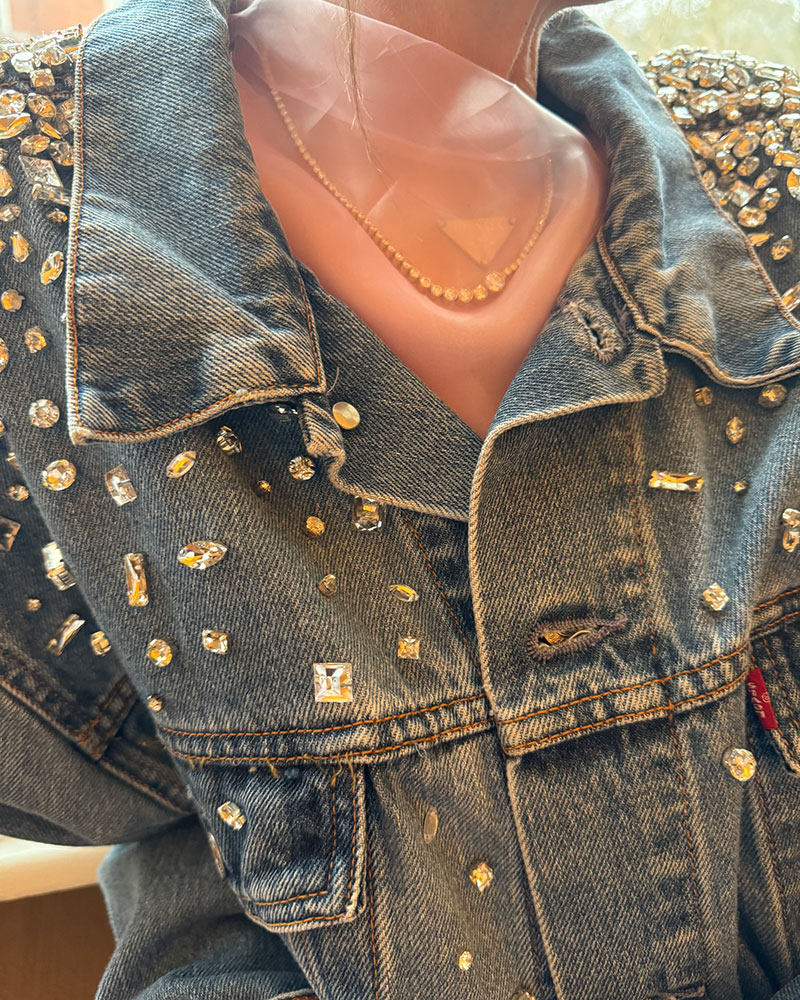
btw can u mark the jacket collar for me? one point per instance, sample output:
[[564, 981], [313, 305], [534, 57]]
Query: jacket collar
[[168, 223]]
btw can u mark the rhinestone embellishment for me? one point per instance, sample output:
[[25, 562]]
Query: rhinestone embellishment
[[481, 875], [407, 647], [100, 643], [734, 429], [301, 467], [314, 526], [180, 464], [119, 486], [740, 762], [43, 413], [154, 703], [465, 960], [772, 395], [675, 481], [368, 515], [327, 585], [135, 579], [215, 641], [332, 681], [201, 554], [228, 441], [65, 632], [403, 593], [231, 814], [160, 652], [791, 533], [715, 597], [58, 475]]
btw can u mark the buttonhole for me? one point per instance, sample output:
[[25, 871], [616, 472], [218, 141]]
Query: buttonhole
[[567, 635]]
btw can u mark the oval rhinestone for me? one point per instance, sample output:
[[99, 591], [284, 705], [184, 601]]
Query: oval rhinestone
[[346, 415], [314, 526], [154, 703], [403, 592], [740, 762], [43, 413], [772, 395], [481, 876], [34, 339], [159, 651], [58, 475], [201, 554], [52, 266], [751, 217], [20, 246], [180, 464], [465, 960], [793, 182]]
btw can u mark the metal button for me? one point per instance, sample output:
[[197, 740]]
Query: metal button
[[346, 415]]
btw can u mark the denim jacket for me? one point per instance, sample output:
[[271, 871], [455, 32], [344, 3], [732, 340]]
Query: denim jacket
[[389, 711]]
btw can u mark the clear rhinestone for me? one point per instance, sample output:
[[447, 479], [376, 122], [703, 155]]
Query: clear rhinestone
[[34, 339], [65, 632], [231, 814], [11, 458], [9, 211], [154, 703], [55, 567], [791, 533], [751, 217], [136, 579], [119, 485], [715, 597], [734, 429], [675, 481], [403, 593], [782, 248], [368, 515], [52, 266], [301, 467], [228, 441], [327, 585], [346, 415], [215, 641], [8, 532], [430, 824], [33, 604], [464, 960], [180, 464], [740, 486], [20, 246], [11, 299], [703, 395], [201, 554], [333, 681], [58, 475], [159, 651], [407, 647], [13, 124], [772, 395], [18, 492], [3, 354], [314, 526], [43, 413], [740, 762], [100, 643], [481, 875]]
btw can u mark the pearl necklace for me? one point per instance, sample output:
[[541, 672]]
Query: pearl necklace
[[494, 281]]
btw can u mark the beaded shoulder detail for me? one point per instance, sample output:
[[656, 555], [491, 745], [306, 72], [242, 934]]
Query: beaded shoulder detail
[[741, 119]]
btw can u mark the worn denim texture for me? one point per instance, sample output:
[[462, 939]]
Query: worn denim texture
[[628, 863]]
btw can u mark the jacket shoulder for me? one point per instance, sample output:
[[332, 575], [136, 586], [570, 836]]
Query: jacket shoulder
[[740, 116]]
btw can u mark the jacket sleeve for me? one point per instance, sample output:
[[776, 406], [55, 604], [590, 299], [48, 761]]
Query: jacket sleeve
[[80, 762]]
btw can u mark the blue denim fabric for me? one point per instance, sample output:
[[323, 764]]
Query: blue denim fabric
[[628, 862]]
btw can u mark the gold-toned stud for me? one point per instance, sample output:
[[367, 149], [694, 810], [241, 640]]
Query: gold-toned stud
[[791, 533], [734, 429], [136, 579], [231, 814], [715, 597], [407, 647], [314, 526], [43, 413], [100, 643], [160, 652], [301, 467], [346, 415], [772, 395], [465, 960], [65, 632], [403, 592], [58, 475], [740, 762], [703, 395], [327, 585], [333, 681], [201, 554], [119, 485], [180, 464], [33, 604], [229, 441], [481, 876], [675, 481], [215, 641], [154, 703]]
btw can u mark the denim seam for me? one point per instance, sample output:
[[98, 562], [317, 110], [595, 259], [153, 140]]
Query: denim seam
[[772, 853], [329, 729], [131, 779], [319, 892], [441, 590], [687, 829], [70, 293], [371, 915], [631, 715]]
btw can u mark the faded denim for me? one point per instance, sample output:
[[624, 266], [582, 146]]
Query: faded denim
[[628, 863]]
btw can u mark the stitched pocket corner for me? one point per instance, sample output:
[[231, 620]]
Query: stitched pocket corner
[[294, 851]]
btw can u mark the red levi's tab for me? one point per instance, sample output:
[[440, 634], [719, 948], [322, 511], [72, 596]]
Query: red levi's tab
[[760, 697]]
